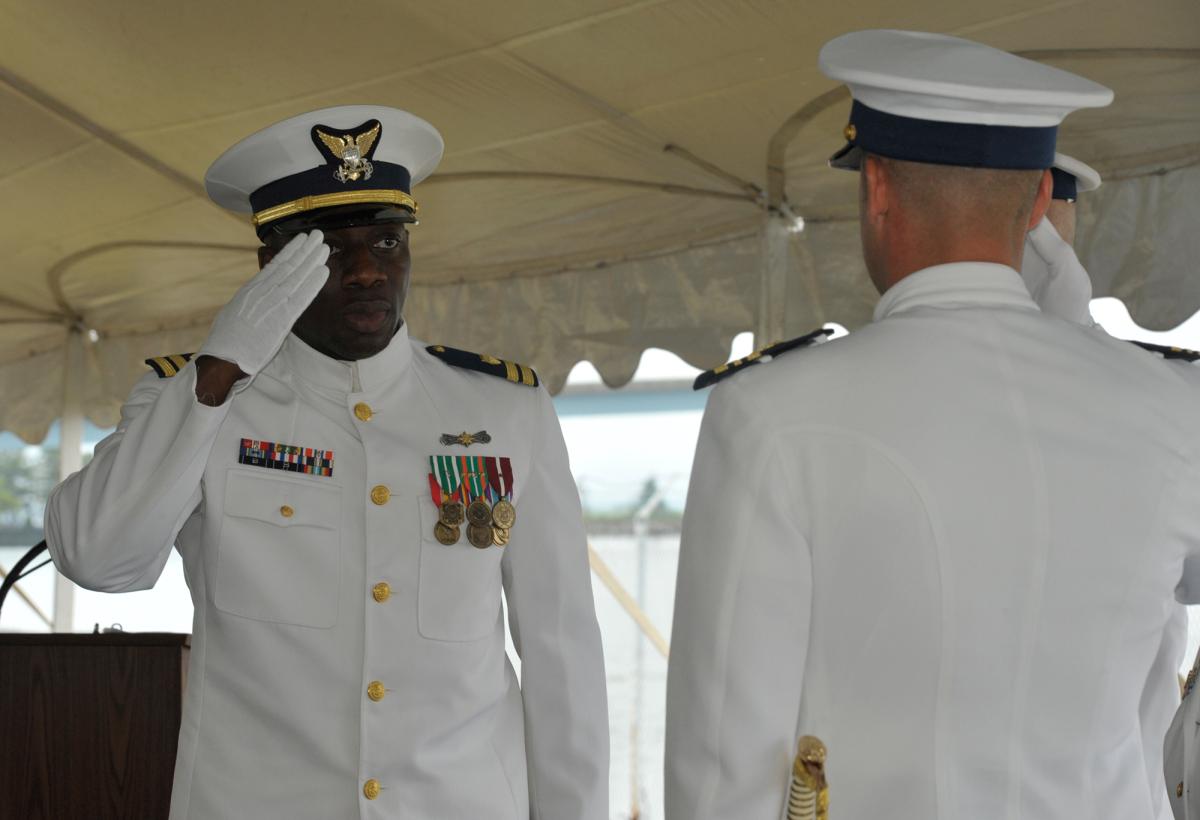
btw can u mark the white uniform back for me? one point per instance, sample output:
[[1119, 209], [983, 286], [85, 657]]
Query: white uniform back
[[947, 545]]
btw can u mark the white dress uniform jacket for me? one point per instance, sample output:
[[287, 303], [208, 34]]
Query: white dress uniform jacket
[[344, 662], [947, 546]]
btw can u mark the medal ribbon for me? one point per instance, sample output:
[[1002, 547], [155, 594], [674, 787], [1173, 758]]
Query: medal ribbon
[[493, 475], [472, 478], [443, 468], [506, 470], [435, 490]]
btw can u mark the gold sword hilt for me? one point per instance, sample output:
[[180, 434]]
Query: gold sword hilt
[[808, 794]]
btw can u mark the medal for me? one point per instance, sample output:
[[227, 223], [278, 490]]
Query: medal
[[479, 513], [499, 536], [480, 537], [451, 513], [446, 534], [444, 491], [500, 479], [504, 514]]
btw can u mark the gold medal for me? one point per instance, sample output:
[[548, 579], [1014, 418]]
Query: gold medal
[[499, 536], [504, 514], [479, 536], [451, 513], [479, 513], [446, 534]]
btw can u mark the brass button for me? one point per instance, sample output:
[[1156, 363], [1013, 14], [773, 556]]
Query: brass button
[[380, 494], [371, 789], [286, 511], [381, 591], [363, 411], [850, 132], [1179, 789], [375, 690]]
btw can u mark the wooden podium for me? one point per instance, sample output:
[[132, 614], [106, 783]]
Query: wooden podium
[[89, 725]]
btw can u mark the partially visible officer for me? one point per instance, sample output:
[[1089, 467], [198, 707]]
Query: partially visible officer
[[1053, 273], [944, 545], [349, 504], [1181, 752], [1061, 287]]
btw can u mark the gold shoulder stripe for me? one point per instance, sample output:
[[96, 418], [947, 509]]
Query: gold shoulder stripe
[[711, 377], [483, 363], [168, 366]]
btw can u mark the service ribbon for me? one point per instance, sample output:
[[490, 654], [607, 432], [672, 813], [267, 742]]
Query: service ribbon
[[492, 467], [444, 468], [506, 471], [472, 479]]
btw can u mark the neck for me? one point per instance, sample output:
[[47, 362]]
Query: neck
[[943, 245]]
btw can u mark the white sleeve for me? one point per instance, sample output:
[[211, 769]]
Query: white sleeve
[[741, 629], [547, 582], [110, 527]]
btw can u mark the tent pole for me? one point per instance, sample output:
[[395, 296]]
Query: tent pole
[[773, 279], [70, 459]]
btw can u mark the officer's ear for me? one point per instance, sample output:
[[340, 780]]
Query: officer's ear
[[875, 188], [265, 254], [1041, 202]]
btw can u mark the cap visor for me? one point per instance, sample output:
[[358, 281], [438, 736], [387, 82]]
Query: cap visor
[[346, 216], [847, 159]]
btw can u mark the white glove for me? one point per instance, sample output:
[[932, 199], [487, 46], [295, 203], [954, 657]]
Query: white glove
[[1056, 279], [251, 328]]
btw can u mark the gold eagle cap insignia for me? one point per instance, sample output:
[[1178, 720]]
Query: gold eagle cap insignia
[[353, 150]]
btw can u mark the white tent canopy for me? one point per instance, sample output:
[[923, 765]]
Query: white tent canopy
[[619, 174]]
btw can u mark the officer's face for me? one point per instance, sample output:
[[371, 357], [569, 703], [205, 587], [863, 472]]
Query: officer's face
[[359, 309]]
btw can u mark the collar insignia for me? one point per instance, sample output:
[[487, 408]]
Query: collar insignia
[[466, 439], [351, 150]]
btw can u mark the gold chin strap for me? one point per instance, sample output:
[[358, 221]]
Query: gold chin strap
[[311, 203], [808, 795]]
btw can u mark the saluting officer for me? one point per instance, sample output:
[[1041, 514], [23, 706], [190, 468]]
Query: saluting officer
[[349, 504], [1061, 287], [944, 545]]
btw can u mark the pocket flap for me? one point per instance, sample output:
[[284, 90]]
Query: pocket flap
[[281, 501]]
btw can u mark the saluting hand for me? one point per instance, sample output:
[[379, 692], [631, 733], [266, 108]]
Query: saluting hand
[[1064, 288], [251, 328]]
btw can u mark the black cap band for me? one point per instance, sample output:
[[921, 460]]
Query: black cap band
[[1065, 186], [386, 176], [949, 143]]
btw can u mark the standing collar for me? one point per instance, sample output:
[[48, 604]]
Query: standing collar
[[956, 285], [359, 376]]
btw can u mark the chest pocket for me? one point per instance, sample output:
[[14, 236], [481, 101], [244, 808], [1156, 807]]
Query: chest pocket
[[280, 550], [458, 597]]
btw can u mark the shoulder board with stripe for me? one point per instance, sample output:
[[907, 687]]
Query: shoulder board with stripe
[[513, 372], [1168, 352], [711, 377], [168, 366]]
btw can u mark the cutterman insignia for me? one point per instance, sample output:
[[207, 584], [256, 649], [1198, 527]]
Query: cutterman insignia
[[711, 377], [466, 439], [1168, 352], [168, 366], [515, 373]]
